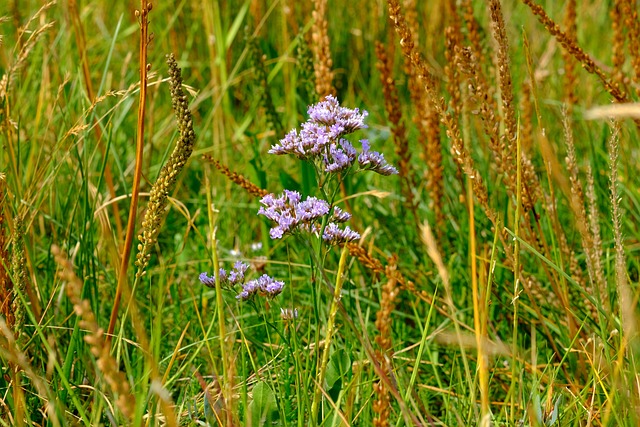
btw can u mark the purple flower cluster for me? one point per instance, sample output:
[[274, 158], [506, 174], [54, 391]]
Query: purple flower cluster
[[290, 213], [235, 276], [372, 160], [265, 285], [335, 235], [321, 139]]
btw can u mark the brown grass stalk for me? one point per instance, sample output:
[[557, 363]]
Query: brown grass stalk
[[95, 337], [581, 56], [143, 20], [459, 151], [381, 405], [398, 129], [570, 77], [632, 24], [617, 44], [323, 63], [507, 149], [237, 178]]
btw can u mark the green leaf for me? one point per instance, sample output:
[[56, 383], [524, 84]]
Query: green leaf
[[263, 409], [339, 367]]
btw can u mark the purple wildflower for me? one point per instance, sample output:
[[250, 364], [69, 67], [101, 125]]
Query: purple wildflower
[[237, 274], [339, 215], [341, 120], [207, 280], [320, 136], [289, 213], [339, 156], [372, 160], [263, 285], [334, 235]]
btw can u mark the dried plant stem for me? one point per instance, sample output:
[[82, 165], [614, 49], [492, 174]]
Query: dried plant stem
[[323, 64], [625, 294], [19, 362], [460, 153], [572, 47], [398, 130], [329, 335], [106, 363], [142, 15]]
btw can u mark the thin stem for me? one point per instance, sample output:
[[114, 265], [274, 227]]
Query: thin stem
[[142, 15], [222, 333], [330, 329]]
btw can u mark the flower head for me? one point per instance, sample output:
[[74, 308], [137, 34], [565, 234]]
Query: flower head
[[334, 235], [289, 213], [339, 215], [341, 120], [264, 285], [372, 160], [320, 137]]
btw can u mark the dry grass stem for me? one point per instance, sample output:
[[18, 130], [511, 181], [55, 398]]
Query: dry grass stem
[[323, 64], [398, 130], [237, 178], [459, 151], [95, 337], [572, 47]]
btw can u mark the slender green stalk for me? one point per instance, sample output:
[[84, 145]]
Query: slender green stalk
[[220, 309], [516, 280], [330, 329]]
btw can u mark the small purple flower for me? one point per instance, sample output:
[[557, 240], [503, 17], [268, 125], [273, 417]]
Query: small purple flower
[[339, 157], [311, 209], [264, 285], [210, 281], [320, 137], [237, 274], [334, 235], [341, 120], [289, 213], [207, 280], [372, 160], [339, 215]]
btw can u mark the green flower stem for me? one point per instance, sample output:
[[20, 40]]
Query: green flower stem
[[330, 328], [219, 301]]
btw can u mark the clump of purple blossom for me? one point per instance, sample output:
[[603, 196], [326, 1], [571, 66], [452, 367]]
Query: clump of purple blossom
[[334, 235], [321, 139], [290, 213], [265, 285], [372, 160]]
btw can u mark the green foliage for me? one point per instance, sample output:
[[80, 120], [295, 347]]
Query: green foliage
[[557, 352]]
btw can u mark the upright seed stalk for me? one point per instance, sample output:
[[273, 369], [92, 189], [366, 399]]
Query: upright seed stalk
[[142, 16]]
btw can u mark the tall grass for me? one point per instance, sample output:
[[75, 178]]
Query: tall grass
[[496, 277]]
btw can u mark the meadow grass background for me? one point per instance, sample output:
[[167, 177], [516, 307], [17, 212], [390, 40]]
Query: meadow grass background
[[509, 314]]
